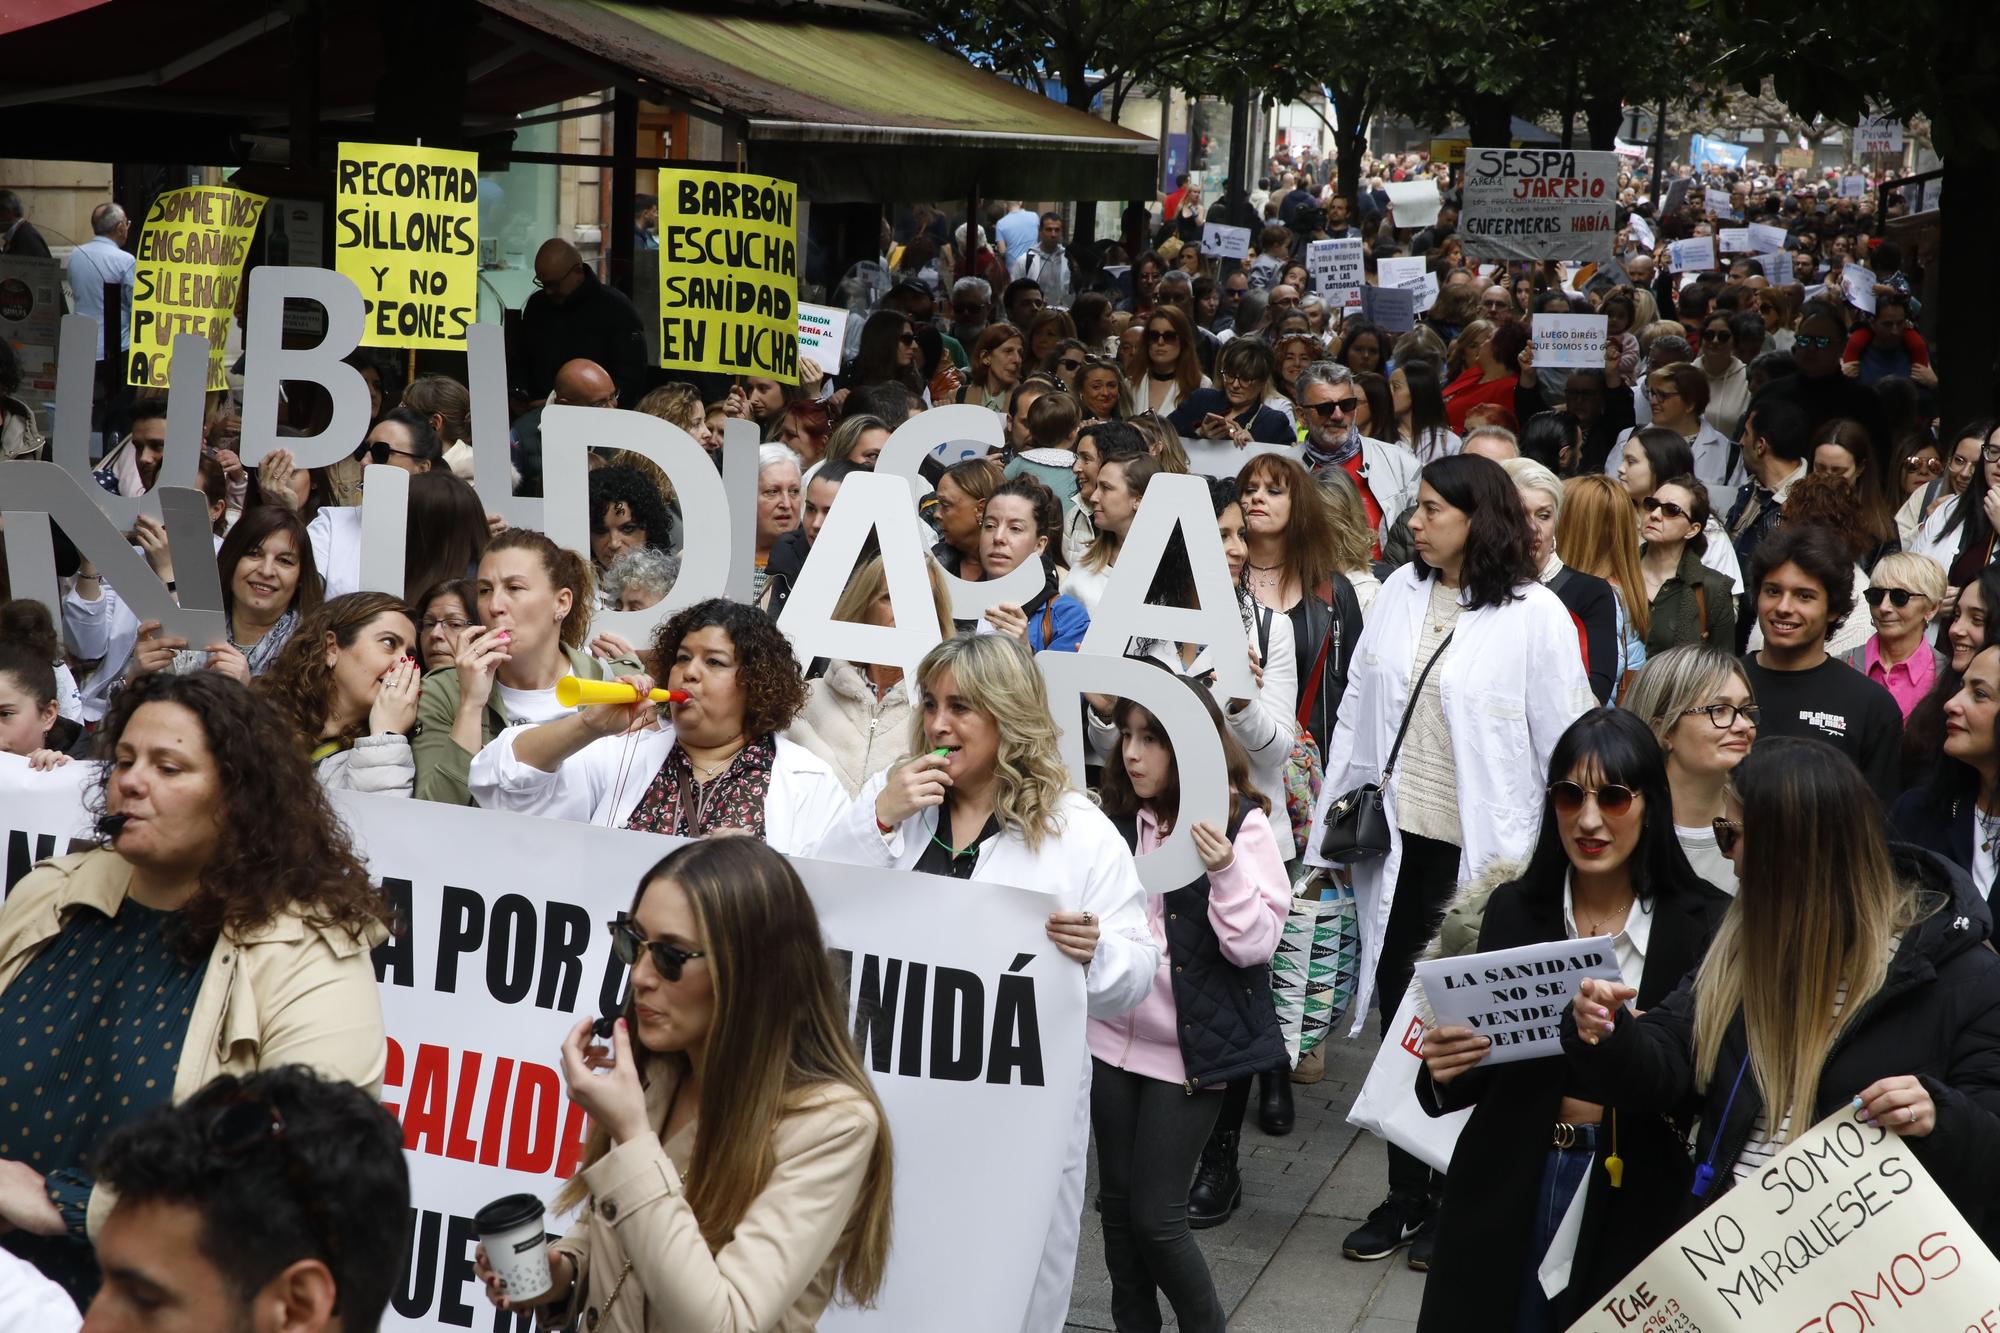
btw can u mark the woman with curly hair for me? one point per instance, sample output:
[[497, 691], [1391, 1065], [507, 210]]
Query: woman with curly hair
[[988, 797], [217, 931], [627, 513], [716, 763], [348, 683]]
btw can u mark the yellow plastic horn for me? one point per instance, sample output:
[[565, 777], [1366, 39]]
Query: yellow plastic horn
[[575, 692]]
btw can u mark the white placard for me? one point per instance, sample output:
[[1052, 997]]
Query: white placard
[[1878, 134], [1539, 203], [1413, 275], [1765, 238], [1858, 285], [1696, 254], [1718, 203], [1641, 230], [1516, 997], [1568, 342], [1413, 203], [1225, 241], [1778, 268], [1338, 268], [1733, 240], [823, 335], [1844, 1230], [1853, 187], [971, 1026]]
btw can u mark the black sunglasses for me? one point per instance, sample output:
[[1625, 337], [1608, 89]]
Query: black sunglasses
[[1718, 336], [1069, 365], [1653, 504], [1162, 336], [380, 452], [1612, 799], [1336, 406], [1896, 596], [907, 338], [1727, 831], [627, 944]]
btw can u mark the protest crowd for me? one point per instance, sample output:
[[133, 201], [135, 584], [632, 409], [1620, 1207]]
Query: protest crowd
[[1690, 644]]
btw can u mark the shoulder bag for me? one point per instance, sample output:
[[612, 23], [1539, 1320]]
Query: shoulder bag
[[1357, 825]]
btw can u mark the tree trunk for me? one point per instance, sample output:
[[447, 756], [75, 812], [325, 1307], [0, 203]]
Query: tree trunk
[[1489, 117], [1966, 338], [1603, 113], [1083, 234], [1350, 138]]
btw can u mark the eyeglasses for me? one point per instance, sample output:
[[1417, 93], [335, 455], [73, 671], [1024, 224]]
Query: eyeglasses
[[1332, 407], [1162, 336], [1813, 341], [452, 623], [1990, 452], [560, 278], [627, 944], [241, 1126], [1723, 716], [1929, 467], [1727, 833], [1897, 596], [1717, 336], [1613, 799], [379, 451], [1661, 395], [1654, 505], [1231, 377]]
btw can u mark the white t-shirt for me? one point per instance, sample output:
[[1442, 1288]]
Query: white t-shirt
[[531, 706], [1706, 858]]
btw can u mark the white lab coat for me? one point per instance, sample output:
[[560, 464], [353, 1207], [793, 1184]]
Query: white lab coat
[[335, 533], [1512, 682], [602, 783], [1932, 540], [1085, 868]]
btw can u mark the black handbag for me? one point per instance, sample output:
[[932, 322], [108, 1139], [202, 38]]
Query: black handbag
[[1357, 827]]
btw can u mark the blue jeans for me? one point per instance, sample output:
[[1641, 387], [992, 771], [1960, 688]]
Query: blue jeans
[[1563, 1174]]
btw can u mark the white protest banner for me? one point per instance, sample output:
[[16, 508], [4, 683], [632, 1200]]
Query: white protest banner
[[1413, 275], [823, 335], [1844, 1231], [1853, 187], [1778, 268], [1516, 997], [1765, 238], [1718, 203], [1392, 309], [1568, 342], [969, 1021], [1535, 203], [1878, 134], [1222, 458], [31, 318], [1733, 240], [1225, 241], [1858, 285], [1696, 254], [1641, 230], [1338, 268], [1413, 203]]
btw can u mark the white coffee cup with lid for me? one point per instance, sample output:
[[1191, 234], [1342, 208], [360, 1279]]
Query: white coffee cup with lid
[[513, 1230]]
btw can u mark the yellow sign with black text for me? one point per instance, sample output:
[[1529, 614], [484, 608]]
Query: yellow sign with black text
[[729, 274], [406, 231], [192, 245]]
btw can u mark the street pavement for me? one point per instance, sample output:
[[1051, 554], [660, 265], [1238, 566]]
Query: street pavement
[[1277, 1262]]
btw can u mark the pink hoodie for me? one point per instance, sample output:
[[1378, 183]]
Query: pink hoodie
[[1247, 901]]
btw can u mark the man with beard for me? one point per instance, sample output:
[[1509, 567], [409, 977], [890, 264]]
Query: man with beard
[[1385, 474]]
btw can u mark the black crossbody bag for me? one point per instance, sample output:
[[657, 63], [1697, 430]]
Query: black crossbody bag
[[1357, 827]]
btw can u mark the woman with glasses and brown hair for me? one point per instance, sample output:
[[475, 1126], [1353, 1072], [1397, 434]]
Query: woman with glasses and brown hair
[[732, 1083], [1165, 367], [1698, 702], [1236, 411], [1886, 1007], [1678, 394], [1541, 1139], [218, 929], [1687, 602]]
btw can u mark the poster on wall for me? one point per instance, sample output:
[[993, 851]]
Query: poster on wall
[[406, 231]]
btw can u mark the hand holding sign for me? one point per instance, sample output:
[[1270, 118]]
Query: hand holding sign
[[1451, 1050]]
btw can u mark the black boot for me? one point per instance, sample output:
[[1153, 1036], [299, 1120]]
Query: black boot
[[1218, 1186], [1274, 1102]]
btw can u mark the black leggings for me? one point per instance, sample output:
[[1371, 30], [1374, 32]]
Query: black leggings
[[1425, 882], [1150, 1135]]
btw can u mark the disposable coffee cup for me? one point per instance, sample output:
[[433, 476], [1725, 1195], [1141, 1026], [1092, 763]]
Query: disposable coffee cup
[[512, 1231]]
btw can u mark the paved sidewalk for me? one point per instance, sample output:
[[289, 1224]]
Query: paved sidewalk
[[1277, 1263]]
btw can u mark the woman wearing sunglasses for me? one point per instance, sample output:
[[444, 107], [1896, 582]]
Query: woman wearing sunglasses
[[1848, 978], [1959, 532], [401, 439], [1483, 662], [1689, 602], [217, 930], [1064, 362], [1957, 813], [1902, 596], [731, 1083], [1728, 378], [1697, 701], [1164, 368], [888, 354], [1933, 475], [1678, 395], [1605, 863]]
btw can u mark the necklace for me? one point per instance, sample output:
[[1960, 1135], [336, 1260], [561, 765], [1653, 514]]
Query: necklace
[[1592, 929], [1441, 619], [1989, 828]]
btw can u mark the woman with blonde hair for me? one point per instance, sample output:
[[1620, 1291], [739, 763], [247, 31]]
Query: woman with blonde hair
[[856, 715], [1163, 442], [988, 797], [1699, 704], [1590, 601], [681, 405], [1843, 965], [1353, 539], [1598, 534], [733, 1083], [1903, 596]]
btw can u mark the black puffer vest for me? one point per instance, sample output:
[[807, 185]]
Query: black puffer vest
[[1228, 1023]]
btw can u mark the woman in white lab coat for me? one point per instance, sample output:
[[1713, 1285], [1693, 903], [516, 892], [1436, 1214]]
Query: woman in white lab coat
[[1467, 786], [987, 797]]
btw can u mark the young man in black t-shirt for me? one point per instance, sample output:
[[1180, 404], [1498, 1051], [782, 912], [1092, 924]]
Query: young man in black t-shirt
[[1803, 582]]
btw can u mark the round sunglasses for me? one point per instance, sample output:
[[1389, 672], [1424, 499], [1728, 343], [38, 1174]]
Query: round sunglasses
[[627, 944], [1898, 597], [1612, 798]]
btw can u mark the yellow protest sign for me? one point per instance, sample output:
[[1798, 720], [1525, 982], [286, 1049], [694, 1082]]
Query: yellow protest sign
[[190, 270], [1451, 152], [406, 230], [729, 274]]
